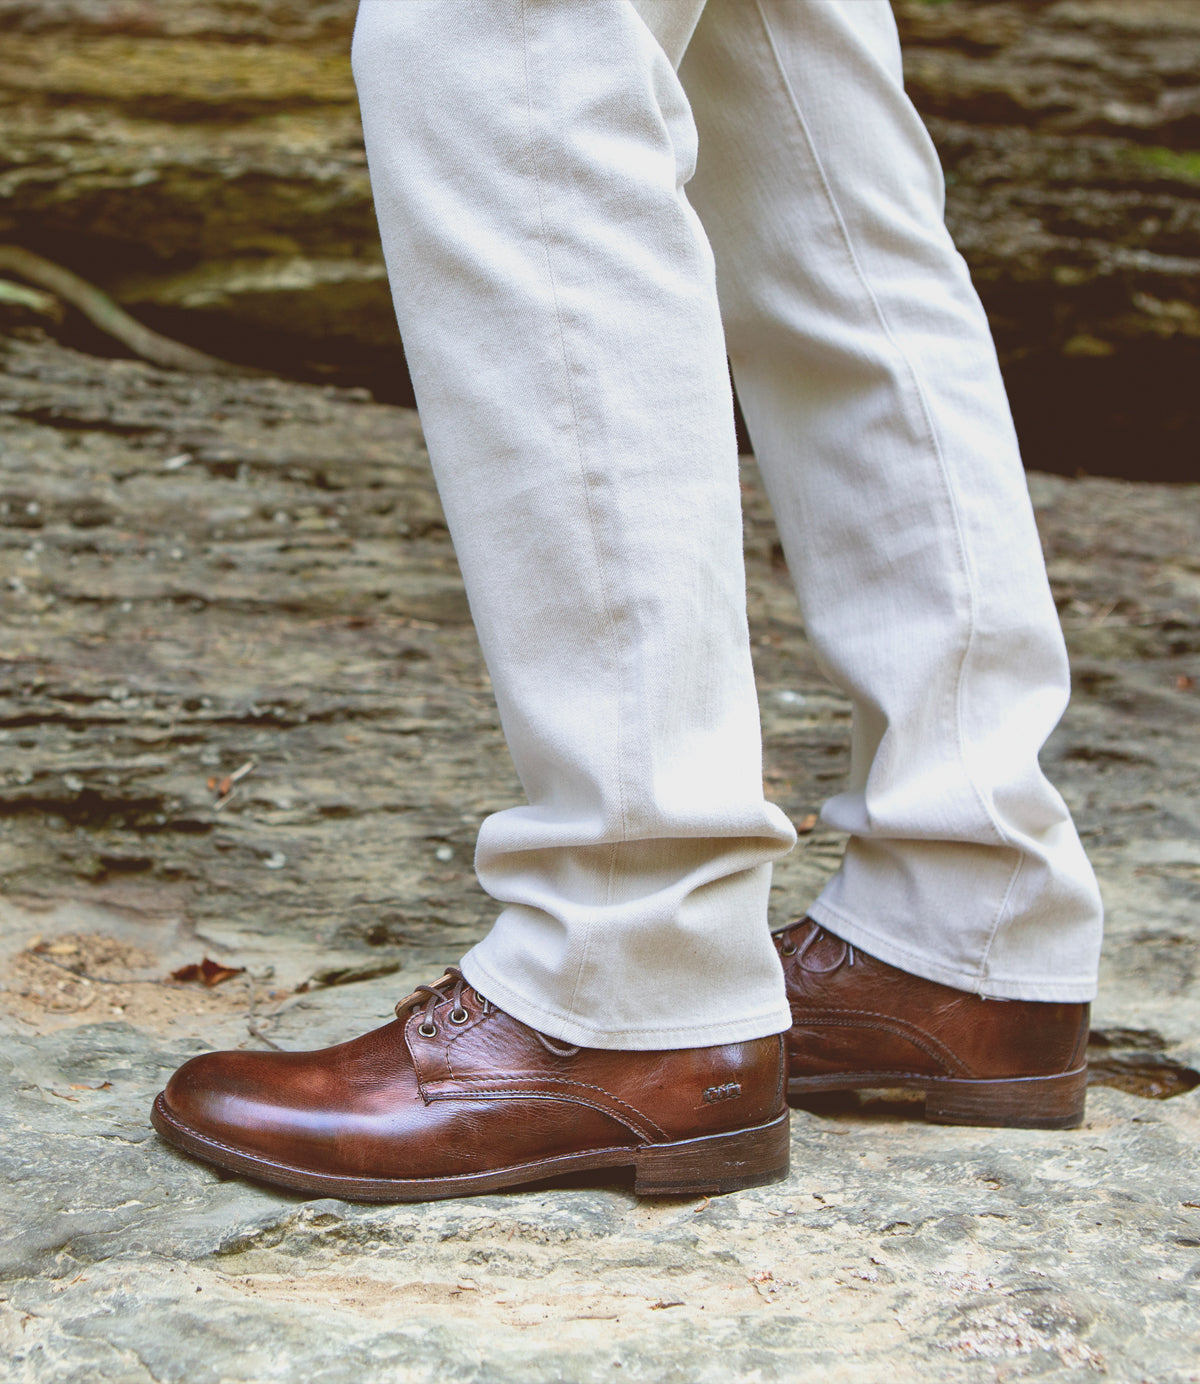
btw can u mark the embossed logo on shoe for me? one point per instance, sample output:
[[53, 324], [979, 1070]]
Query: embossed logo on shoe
[[730, 1091]]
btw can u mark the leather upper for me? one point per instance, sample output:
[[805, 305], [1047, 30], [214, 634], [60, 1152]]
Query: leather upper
[[854, 1013], [475, 1094]]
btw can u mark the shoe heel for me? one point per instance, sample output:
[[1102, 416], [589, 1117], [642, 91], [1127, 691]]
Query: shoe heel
[[715, 1163], [1035, 1102]]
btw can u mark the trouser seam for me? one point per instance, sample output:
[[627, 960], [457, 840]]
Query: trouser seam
[[587, 494], [999, 917], [926, 417]]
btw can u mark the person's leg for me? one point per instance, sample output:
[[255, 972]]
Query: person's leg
[[870, 386], [556, 297], [559, 312]]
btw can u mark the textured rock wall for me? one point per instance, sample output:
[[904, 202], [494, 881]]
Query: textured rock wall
[[204, 164], [203, 161], [1068, 130]]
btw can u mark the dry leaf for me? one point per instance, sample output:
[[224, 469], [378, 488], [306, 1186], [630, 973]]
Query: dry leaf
[[807, 824], [208, 972]]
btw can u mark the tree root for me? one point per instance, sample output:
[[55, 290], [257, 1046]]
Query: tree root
[[103, 313]]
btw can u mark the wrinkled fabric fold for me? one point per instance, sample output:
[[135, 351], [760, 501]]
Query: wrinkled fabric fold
[[537, 170]]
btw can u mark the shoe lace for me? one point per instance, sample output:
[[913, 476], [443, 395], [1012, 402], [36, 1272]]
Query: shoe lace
[[789, 948], [437, 993]]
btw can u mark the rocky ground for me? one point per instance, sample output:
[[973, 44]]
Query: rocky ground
[[243, 718]]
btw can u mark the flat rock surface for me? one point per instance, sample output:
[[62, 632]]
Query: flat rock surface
[[243, 718]]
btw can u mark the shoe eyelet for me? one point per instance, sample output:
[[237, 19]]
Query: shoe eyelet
[[427, 1030], [788, 948], [459, 1016]]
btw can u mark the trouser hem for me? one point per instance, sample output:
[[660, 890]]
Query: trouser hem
[[1060, 989], [664, 1035]]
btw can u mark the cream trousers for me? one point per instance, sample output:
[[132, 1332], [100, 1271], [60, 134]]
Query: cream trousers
[[585, 205]]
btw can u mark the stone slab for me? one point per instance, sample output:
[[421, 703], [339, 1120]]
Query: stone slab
[[286, 596]]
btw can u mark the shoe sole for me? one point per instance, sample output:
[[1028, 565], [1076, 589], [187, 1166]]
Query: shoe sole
[[704, 1166], [1029, 1102]]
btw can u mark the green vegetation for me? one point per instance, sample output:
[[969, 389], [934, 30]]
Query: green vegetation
[[1178, 163]]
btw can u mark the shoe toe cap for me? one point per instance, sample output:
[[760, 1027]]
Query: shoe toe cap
[[221, 1096]]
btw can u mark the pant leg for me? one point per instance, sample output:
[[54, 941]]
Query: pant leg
[[557, 300], [869, 381]]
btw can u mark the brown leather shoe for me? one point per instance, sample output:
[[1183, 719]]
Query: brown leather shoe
[[859, 1023], [456, 1097]]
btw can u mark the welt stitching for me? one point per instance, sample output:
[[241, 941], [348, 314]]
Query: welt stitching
[[928, 1044], [630, 1124], [565, 1081]]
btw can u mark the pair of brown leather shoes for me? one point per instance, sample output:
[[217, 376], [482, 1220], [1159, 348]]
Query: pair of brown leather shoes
[[455, 1096]]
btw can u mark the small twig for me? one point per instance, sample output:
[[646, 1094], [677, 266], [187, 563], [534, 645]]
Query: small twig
[[252, 1027], [224, 788], [255, 1032], [44, 304], [82, 975]]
